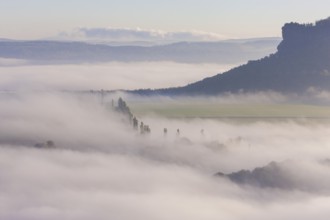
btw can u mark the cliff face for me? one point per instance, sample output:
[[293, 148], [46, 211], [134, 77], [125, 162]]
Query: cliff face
[[309, 40], [294, 33], [301, 62]]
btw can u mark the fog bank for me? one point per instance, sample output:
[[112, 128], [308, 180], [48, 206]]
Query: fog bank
[[100, 167], [107, 76]]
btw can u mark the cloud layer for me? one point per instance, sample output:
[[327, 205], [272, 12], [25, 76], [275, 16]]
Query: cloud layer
[[108, 76], [101, 168], [137, 34]]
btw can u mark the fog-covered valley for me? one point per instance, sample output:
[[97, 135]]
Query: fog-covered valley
[[108, 76], [69, 151], [99, 166], [164, 110]]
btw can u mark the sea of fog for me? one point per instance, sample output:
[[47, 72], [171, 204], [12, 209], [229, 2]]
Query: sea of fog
[[101, 168], [15, 75], [66, 155]]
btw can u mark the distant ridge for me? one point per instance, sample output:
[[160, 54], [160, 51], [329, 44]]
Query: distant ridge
[[62, 52], [302, 62]]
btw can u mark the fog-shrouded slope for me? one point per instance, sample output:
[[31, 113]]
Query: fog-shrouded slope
[[302, 61], [286, 175], [222, 52]]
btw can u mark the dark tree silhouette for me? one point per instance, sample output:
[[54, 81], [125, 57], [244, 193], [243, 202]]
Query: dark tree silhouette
[[165, 131], [124, 109], [50, 144], [135, 123], [142, 128]]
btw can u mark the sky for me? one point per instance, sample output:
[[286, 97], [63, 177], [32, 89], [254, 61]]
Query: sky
[[36, 19]]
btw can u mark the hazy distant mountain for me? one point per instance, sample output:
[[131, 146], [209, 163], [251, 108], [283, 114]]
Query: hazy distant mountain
[[302, 61], [222, 52]]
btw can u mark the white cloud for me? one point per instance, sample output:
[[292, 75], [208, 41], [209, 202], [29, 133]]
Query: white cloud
[[137, 34]]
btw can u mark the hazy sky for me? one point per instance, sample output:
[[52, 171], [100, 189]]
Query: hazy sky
[[22, 19]]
